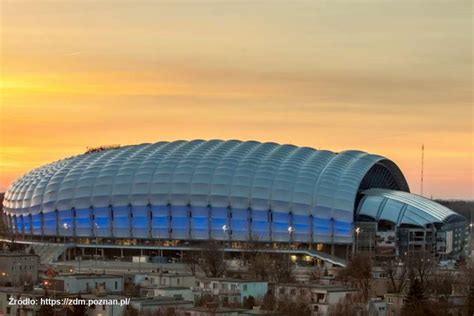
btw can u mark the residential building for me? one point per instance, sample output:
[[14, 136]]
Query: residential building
[[231, 291], [377, 307], [172, 279], [184, 293], [394, 303], [319, 297], [17, 268], [159, 304], [86, 283]]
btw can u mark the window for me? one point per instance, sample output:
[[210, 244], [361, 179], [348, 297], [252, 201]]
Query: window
[[389, 299], [282, 291], [178, 281], [214, 286], [116, 285], [293, 291], [245, 287], [302, 292]]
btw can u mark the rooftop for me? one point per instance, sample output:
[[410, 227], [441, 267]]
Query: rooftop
[[159, 300], [17, 254], [231, 280], [322, 287], [88, 276]]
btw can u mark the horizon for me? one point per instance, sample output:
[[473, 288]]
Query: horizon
[[327, 75]]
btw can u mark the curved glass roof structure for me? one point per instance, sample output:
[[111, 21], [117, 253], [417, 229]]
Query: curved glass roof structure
[[190, 189], [404, 208]]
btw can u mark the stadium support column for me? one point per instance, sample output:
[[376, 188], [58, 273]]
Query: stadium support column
[[332, 237]]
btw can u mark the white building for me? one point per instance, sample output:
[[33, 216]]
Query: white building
[[86, 283], [231, 291], [184, 293], [158, 304], [18, 268], [172, 279], [319, 297]]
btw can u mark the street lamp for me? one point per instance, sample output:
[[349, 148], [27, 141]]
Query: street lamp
[[291, 230], [4, 274], [357, 231], [96, 246], [225, 229], [65, 226]]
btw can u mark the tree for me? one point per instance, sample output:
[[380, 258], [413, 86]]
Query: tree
[[414, 299], [470, 300], [249, 302], [421, 265], [281, 269], [358, 272], [192, 259], [129, 311], [269, 301], [258, 265], [288, 307], [440, 284], [397, 274], [212, 259], [45, 310]]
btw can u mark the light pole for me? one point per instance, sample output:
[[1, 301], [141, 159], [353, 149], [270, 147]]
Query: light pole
[[357, 231], [96, 246], [3, 278], [65, 226], [15, 267], [291, 230], [471, 225], [225, 228]]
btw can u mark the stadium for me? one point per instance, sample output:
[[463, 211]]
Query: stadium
[[182, 193]]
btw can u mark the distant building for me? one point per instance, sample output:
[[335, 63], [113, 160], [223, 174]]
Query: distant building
[[184, 293], [86, 283], [203, 311], [231, 291], [377, 307], [158, 304], [172, 279], [394, 303], [318, 297], [6, 309], [105, 309], [18, 268]]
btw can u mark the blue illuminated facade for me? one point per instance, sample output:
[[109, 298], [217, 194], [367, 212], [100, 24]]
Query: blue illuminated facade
[[188, 190]]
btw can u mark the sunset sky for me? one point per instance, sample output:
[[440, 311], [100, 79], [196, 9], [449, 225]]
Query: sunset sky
[[379, 76]]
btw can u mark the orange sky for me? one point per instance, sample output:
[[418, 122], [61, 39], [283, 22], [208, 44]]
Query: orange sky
[[383, 77]]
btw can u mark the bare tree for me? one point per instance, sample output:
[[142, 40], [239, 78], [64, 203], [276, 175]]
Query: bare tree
[[281, 269], [440, 284], [420, 265], [212, 259], [192, 260], [397, 272], [258, 264], [269, 301], [358, 272]]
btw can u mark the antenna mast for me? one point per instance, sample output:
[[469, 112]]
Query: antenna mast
[[422, 165]]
